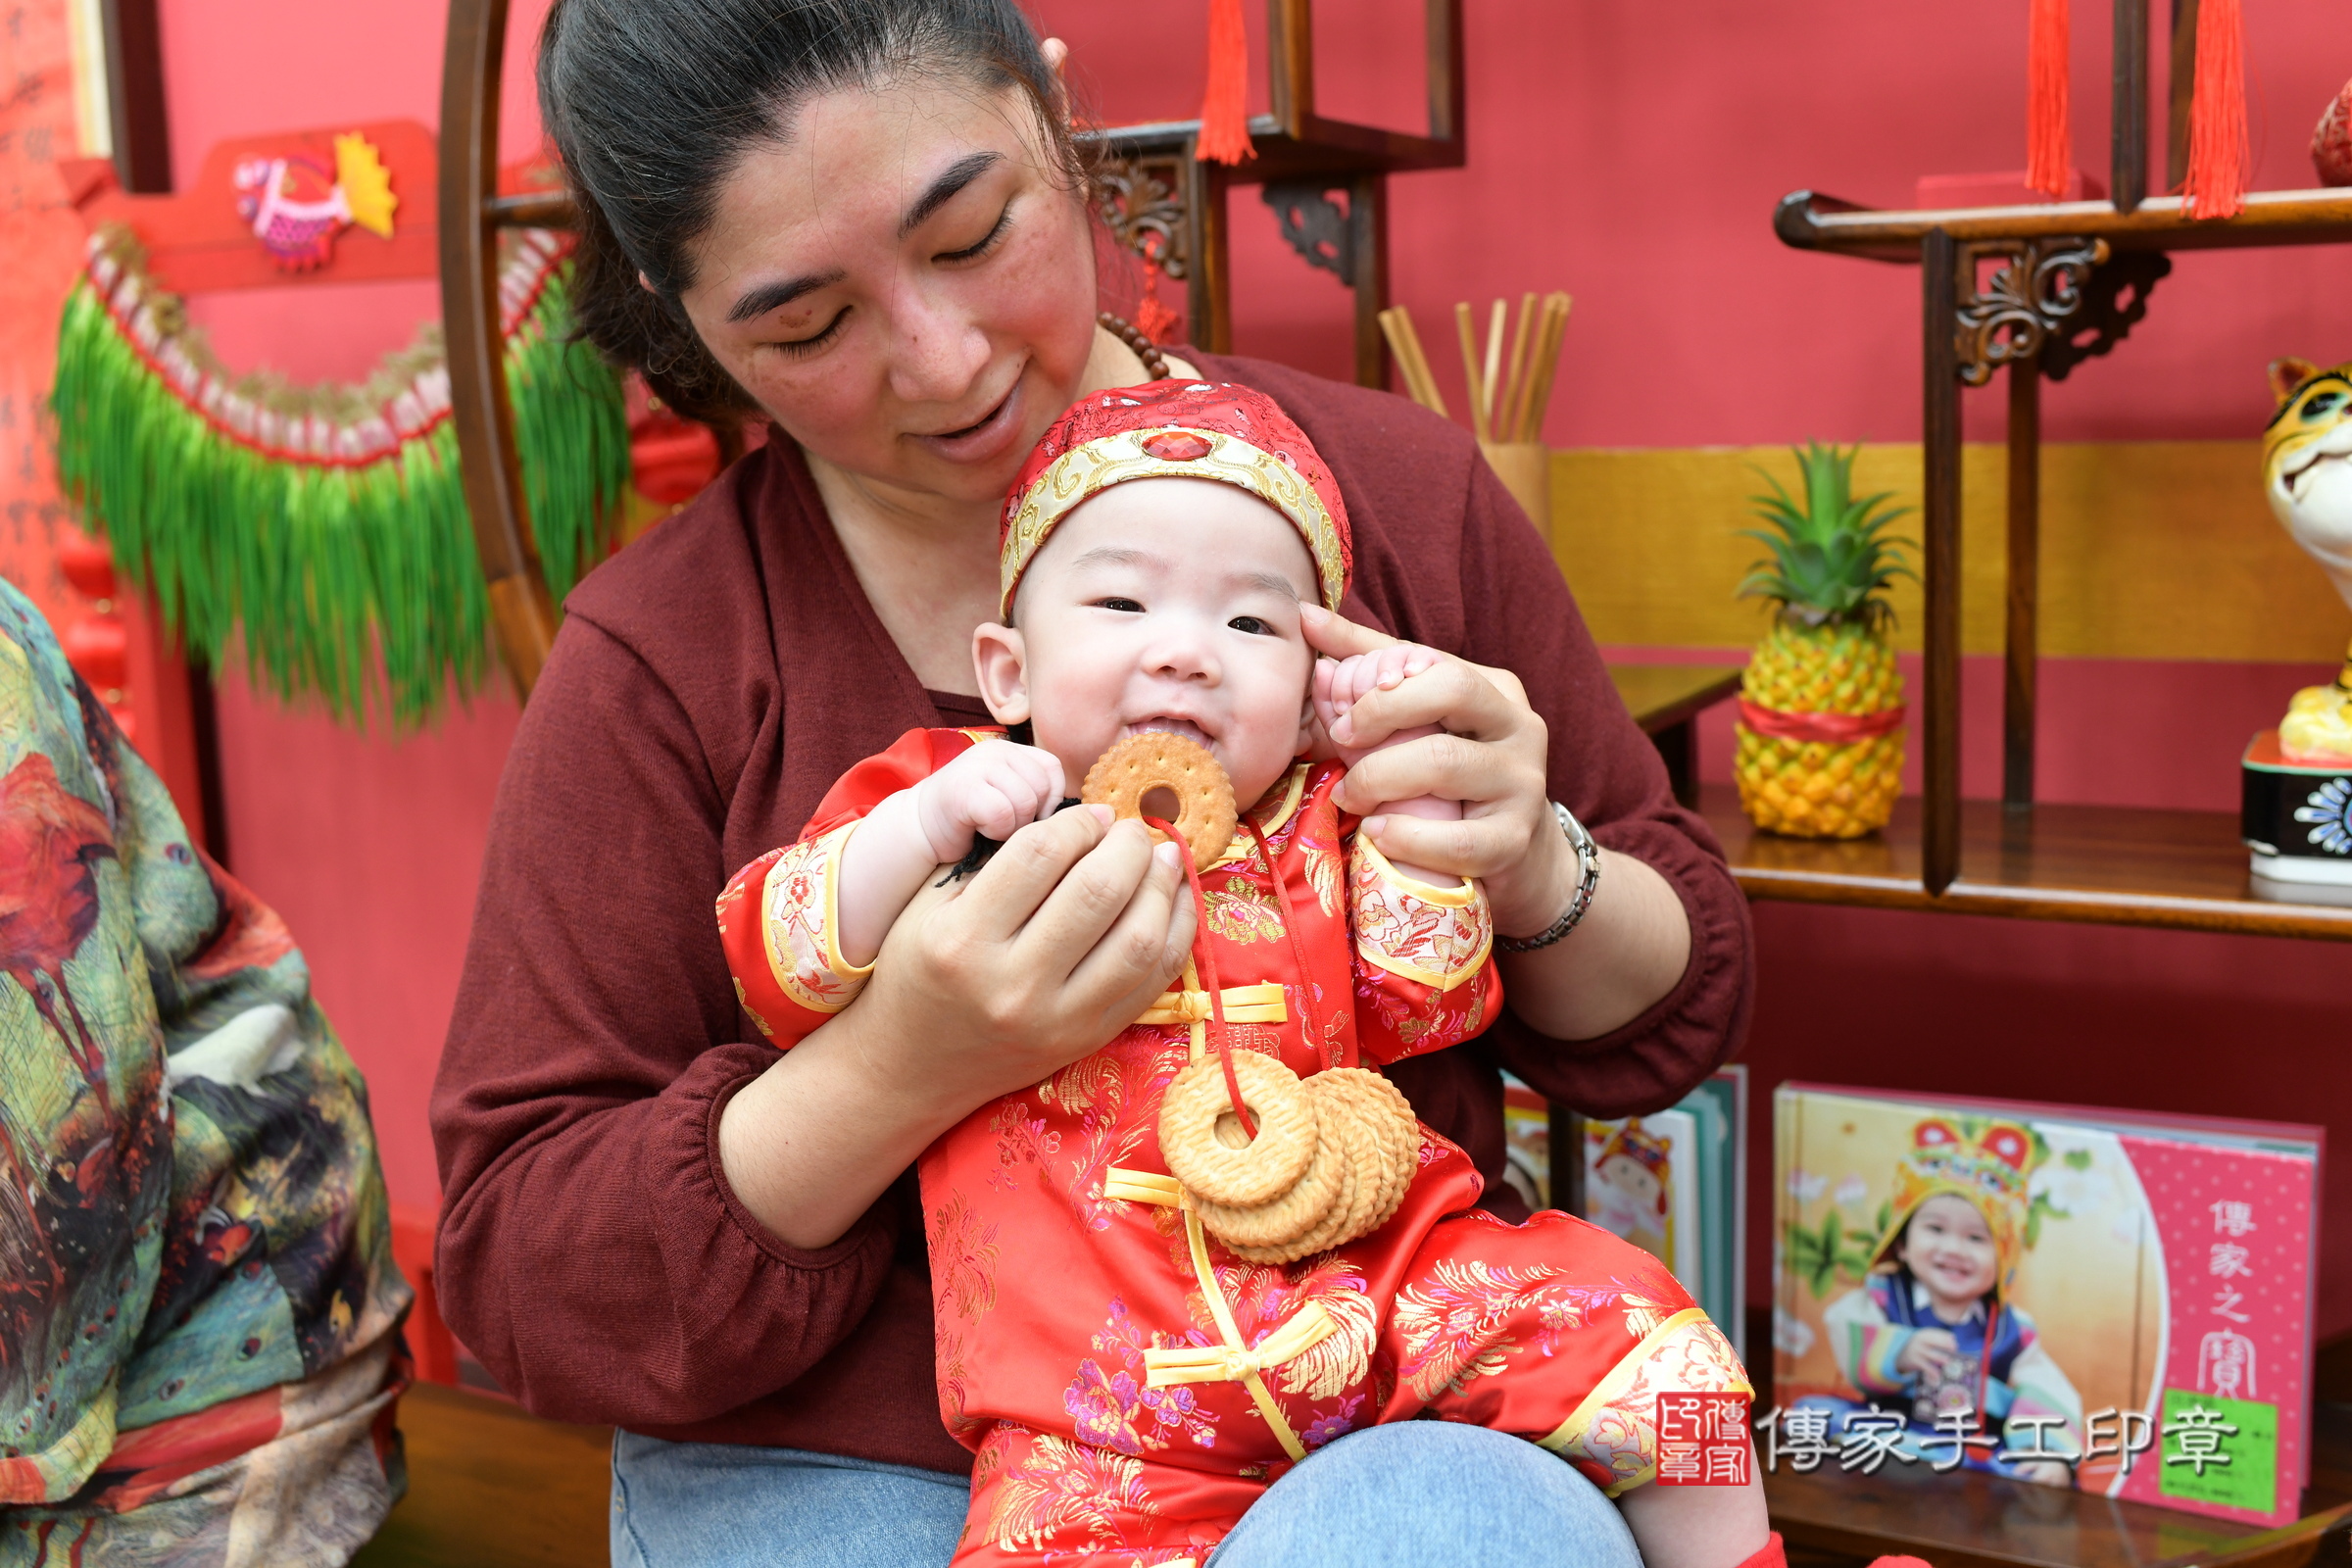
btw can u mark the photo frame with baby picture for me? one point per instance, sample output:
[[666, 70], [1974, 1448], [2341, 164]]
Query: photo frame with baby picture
[[1674, 1184], [2112, 1301]]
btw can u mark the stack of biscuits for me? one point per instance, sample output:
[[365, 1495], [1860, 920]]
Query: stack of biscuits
[[1331, 1161]]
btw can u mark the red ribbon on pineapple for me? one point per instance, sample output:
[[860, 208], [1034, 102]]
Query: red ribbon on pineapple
[[1835, 729], [1225, 102]]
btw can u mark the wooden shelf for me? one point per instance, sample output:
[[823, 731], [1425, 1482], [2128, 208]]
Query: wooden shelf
[[1979, 1521], [1836, 1519], [1662, 696], [2104, 864], [1808, 221]]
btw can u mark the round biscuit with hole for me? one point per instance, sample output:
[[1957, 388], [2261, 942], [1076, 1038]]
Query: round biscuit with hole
[[1292, 1214], [1202, 1140], [1152, 759]]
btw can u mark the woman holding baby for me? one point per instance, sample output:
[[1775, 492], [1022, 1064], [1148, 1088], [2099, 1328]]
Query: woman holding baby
[[864, 222]]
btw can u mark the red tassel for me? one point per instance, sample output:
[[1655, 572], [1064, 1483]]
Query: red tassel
[[2049, 136], [2216, 186], [1224, 103]]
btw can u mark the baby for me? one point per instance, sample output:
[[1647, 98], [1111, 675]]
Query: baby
[[1155, 551]]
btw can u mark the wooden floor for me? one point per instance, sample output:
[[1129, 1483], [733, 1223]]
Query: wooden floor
[[490, 1487]]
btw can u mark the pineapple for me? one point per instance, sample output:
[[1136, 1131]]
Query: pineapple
[[1826, 665]]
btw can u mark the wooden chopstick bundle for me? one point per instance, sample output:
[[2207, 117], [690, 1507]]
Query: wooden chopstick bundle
[[1507, 399], [1508, 407], [1397, 324], [1482, 396], [1514, 403], [1535, 393]]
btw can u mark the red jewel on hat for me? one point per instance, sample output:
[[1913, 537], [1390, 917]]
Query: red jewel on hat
[[1177, 446]]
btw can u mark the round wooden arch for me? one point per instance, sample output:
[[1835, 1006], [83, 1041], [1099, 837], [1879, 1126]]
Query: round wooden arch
[[471, 213]]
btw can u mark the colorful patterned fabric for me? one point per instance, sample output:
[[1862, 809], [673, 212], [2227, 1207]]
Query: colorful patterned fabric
[[2014, 1376], [1176, 430], [199, 1351], [1130, 1410]]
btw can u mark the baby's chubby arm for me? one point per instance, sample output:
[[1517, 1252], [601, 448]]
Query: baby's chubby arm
[[1340, 683], [994, 789]]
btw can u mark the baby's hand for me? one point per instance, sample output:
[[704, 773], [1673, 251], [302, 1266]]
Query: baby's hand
[[1928, 1352], [993, 789], [1340, 684]]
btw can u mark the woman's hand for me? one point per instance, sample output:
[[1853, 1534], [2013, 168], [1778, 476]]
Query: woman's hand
[[1491, 757], [1063, 940], [983, 987], [1494, 754]]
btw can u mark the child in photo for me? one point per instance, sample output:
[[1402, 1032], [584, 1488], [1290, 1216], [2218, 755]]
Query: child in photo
[[1935, 1334], [1128, 1385], [1633, 1191]]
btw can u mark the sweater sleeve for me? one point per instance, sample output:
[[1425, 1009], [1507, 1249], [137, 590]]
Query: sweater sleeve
[[591, 1253], [1521, 618]]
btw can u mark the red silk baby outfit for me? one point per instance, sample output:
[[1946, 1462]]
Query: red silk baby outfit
[[1128, 1385]]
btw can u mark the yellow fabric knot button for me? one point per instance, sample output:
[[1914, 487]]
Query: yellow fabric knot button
[[1231, 1363], [1258, 1003]]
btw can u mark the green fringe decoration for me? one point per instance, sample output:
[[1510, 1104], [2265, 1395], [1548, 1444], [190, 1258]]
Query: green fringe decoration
[[318, 565]]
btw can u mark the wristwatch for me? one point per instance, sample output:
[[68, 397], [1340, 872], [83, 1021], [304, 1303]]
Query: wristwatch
[[1588, 879]]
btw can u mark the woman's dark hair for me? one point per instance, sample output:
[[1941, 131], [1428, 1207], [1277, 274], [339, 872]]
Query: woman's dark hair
[[652, 102]]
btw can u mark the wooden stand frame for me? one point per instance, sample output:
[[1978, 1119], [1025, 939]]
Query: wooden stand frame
[[2037, 289]]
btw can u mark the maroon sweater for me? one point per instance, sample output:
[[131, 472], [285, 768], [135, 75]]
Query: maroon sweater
[[709, 685]]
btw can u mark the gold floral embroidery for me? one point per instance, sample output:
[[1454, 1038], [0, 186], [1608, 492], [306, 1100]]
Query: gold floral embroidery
[[1614, 1427], [800, 919], [1098, 1090], [1240, 912], [1453, 1322], [743, 1001], [1437, 936], [1318, 830], [964, 1255], [1341, 1359], [1064, 1490]]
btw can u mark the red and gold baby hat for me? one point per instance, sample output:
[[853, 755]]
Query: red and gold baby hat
[[1176, 430]]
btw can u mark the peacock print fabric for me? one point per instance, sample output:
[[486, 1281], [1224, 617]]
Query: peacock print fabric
[[198, 1308], [1128, 1387]]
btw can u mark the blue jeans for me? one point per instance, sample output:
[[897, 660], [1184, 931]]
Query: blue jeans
[[1415, 1493]]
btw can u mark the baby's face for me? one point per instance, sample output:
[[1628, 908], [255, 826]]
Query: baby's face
[[1161, 604]]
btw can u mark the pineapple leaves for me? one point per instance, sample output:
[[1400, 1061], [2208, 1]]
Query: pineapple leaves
[[1830, 558]]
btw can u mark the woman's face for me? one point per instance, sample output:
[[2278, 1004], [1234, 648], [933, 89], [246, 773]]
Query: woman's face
[[905, 282]]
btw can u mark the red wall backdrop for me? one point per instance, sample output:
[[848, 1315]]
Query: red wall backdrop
[[1629, 154]]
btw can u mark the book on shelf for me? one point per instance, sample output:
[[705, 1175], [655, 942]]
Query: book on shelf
[[1674, 1184], [2114, 1300]]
